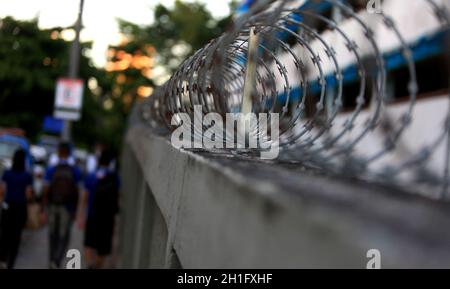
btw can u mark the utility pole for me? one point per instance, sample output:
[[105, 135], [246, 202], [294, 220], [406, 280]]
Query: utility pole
[[74, 65]]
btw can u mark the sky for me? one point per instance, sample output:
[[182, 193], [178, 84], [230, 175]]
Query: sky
[[99, 17]]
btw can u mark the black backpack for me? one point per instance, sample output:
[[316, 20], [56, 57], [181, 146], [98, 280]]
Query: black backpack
[[106, 196], [63, 188]]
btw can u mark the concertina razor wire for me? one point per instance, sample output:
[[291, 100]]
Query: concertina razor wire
[[303, 63]]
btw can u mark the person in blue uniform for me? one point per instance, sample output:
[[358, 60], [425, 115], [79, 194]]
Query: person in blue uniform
[[15, 192], [101, 199]]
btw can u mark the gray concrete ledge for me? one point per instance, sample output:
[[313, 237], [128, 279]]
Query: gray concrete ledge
[[214, 211]]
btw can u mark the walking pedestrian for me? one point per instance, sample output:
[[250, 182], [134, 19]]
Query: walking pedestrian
[[101, 198], [61, 198], [15, 191]]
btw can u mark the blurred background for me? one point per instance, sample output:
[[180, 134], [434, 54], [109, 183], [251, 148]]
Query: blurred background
[[126, 50]]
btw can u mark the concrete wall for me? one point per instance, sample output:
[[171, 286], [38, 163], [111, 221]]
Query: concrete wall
[[188, 210], [143, 229]]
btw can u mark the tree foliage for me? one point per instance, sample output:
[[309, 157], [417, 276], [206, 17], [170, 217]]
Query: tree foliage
[[32, 60], [30, 63], [149, 54], [175, 32]]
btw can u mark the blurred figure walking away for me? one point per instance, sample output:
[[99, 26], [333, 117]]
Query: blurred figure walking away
[[101, 197], [61, 196], [17, 184]]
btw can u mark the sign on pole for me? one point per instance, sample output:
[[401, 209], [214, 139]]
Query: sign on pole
[[68, 99]]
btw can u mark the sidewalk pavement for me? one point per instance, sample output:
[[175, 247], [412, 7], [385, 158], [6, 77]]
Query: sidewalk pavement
[[33, 251]]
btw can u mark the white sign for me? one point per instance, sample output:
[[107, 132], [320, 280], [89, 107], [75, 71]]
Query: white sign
[[68, 99]]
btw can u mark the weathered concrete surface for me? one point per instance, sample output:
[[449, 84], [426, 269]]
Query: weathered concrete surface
[[203, 211]]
